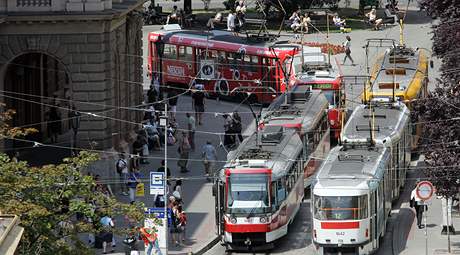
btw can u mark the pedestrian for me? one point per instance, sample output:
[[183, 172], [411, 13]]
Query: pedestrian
[[198, 103], [107, 233], [156, 83], [184, 151], [153, 135], [139, 147], [347, 45], [152, 95], [173, 97], [150, 238], [74, 123], [175, 224], [182, 223], [237, 125], [229, 137], [134, 179], [209, 156], [123, 172], [191, 126], [54, 124], [231, 21], [177, 191], [418, 204]]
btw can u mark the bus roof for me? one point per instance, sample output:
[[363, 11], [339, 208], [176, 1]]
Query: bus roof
[[220, 40], [407, 67], [389, 123]]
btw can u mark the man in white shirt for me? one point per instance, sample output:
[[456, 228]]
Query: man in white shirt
[[191, 123], [231, 21], [419, 206]]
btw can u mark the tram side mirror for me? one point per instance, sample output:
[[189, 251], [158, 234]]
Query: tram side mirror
[[214, 189], [431, 63]]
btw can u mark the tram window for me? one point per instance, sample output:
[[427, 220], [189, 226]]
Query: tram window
[[281, 191], [170, 51], [273, 196], [185, 53], [340, 207]]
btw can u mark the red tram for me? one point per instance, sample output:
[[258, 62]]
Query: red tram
[[227, 64]]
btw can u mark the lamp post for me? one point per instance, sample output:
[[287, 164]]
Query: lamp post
[[164, 123]]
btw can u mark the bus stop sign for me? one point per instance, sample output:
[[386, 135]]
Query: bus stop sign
[[425, 190]]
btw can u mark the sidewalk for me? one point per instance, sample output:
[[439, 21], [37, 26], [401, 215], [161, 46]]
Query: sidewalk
[[197, 191]]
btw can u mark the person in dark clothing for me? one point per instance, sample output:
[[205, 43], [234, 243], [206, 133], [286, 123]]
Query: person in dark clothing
[[172, 100], [198, 103], [138, 146], [161, 169], [152, 95], [54, 124], [237, 126]]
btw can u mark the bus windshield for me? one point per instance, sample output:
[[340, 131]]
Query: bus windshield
[[340, 207], [248, 193]]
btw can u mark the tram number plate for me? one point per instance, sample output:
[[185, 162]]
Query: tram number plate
[[340, 233], [248, 220]]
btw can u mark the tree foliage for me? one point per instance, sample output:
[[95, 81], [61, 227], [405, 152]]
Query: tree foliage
[[440, 112], [48, 198]]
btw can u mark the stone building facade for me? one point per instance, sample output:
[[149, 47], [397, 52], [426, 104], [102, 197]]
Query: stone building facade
[[73, 52]]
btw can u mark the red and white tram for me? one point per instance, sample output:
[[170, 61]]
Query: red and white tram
[[313, 68], [353, 191], [227, 64], [259, 190]]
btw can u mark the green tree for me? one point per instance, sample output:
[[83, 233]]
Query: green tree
[[48, 198]]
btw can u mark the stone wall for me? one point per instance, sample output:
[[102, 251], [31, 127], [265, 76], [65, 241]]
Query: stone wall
[[97, 58]]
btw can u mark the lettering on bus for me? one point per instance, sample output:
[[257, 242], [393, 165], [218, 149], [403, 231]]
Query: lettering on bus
[[322, 86], [176, 70]]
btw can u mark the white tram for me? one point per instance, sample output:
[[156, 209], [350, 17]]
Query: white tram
[[259, 190], [353, 191]]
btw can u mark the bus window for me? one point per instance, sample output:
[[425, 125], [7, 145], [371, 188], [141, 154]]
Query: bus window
[[251, 63], [221, 57], [170, 51], [185, 53]]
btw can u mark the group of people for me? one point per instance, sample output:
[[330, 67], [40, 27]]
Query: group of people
[[236, 17], [299, 22], [232, 128]]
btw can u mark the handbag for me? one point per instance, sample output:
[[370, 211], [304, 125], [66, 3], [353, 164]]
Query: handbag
[[411, 203]]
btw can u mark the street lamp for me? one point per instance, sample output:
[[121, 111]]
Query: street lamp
[[164, 123]]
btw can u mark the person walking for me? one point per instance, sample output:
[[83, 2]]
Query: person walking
[[123, 172], [418, 204], [209, 156], [347, 45], [237, 125], [107, 233], [134, 179], [184, 151], [229, 137], [150, 238], [198, 103], [191, 126], [182, 223], [173, 97]]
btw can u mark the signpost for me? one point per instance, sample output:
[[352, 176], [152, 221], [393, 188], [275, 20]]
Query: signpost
[[424, 191], [156, 183]]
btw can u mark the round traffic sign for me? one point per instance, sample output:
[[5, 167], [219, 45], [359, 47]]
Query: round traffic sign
[[425, 190]]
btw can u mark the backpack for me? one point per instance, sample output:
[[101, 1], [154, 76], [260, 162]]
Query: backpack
[[120, 169], [182, 219]]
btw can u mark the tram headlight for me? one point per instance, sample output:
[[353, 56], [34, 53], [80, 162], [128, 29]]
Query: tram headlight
[[263, 219], [233, 220]]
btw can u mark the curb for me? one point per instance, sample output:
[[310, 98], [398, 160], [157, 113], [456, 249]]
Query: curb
[[207, 247]]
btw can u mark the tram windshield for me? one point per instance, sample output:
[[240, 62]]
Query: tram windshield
[[248, 193], [340, 207]]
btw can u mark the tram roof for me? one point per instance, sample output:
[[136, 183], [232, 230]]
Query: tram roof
[[351, 167], [303, 110], [277, 149], [409, 67], [389, 123]]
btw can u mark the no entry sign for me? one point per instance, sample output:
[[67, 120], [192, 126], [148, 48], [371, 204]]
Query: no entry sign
[[425, 190]]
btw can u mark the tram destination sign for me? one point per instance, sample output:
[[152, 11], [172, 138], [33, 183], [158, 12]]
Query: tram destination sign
[[322, 86]]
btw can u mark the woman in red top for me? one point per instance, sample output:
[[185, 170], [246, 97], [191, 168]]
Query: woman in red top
[[150, 238]]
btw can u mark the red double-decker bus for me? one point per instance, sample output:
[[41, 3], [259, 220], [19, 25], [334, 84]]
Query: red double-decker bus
[[325, 75], [228, 65]]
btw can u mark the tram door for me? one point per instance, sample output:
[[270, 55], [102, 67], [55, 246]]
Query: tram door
[[219, 195], [374, 222]]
